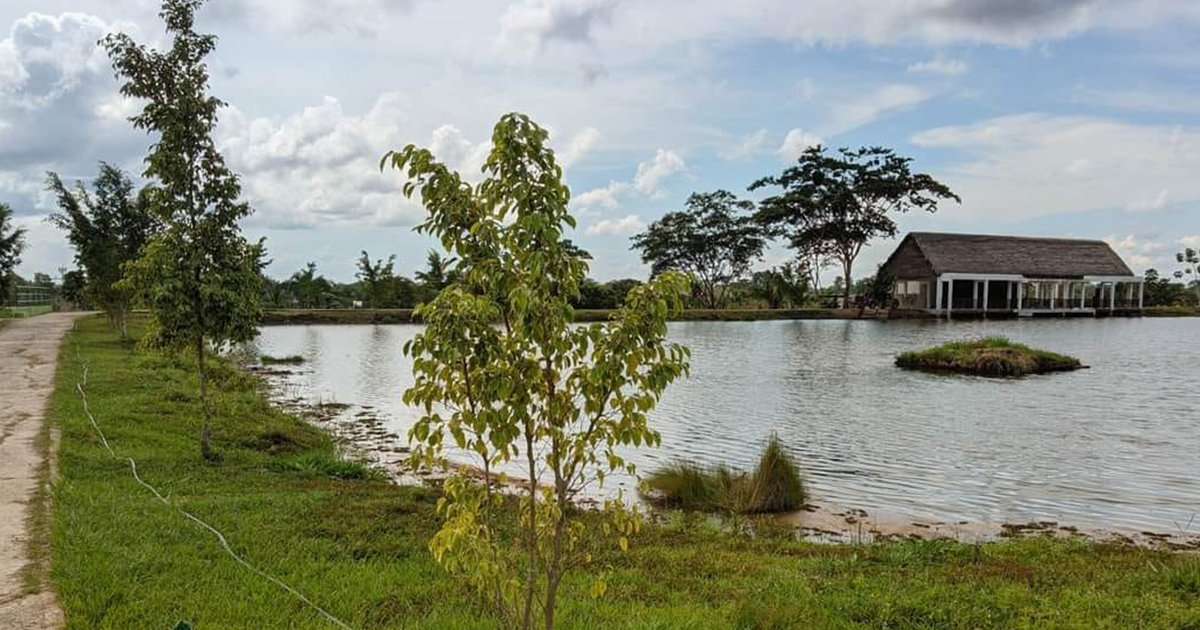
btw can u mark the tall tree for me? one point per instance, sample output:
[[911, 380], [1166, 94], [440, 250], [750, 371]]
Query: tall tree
[[561, 400], [198, 275], [840, 202], [12, 243], [713, 240], [107, 228], [785, 285], [439, 272], [1191, 268], [378, 280]]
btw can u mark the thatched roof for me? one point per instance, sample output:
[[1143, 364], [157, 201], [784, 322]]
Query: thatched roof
[[1027, 256]]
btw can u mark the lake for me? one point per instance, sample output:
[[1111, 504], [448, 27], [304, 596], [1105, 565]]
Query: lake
[[1116, 446]]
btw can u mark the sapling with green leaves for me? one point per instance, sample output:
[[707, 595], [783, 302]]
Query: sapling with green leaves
[[501, 373], [198, 275], [12, 243]]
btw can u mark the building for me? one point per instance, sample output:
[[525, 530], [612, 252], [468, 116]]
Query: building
[[981, 274]]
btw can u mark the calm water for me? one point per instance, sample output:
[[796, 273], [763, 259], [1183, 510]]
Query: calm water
[[1114, 447]]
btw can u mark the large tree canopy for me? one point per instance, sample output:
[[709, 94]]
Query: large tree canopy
[[12, 243], [107, 227], [714, 240], [198, 275], [839, 202]]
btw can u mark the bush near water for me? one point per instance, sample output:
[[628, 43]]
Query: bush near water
[[774, 486]]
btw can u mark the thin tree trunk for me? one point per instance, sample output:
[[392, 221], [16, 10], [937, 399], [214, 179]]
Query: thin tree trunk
[[847, 263], [206, 431], [531, 577], [121, 324]]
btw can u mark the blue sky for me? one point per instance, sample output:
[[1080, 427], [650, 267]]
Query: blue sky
[[1049, 117]]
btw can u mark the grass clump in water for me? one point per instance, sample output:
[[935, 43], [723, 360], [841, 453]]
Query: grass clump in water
[[294, 359], [774, 486], [989, 356]]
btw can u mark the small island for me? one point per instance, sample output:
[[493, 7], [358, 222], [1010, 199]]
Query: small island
[[989, 356]]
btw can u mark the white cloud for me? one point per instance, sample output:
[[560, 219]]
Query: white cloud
[[626, 226], [939, 65], [650, 175], [1190, 241], [532, 24], [606, 197], [866, 109], [1014, 164], [795, 143], [321, 166], [361, 17], [1158, 202], [1139, 254], [746, 147], [458, 153], [581, 144]]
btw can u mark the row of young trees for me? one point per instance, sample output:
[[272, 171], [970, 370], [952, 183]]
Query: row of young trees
[[825, 208]]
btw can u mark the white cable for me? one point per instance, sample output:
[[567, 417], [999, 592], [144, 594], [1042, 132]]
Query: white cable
[[220, 537]]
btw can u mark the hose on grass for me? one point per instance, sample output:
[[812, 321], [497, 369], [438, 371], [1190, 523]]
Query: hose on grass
[[80, 387]]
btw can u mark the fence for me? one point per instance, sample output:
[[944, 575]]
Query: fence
[[28, 300]]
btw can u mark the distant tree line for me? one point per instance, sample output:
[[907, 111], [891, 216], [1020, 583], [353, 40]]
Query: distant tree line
[[825, 208]]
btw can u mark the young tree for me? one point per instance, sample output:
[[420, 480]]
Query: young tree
[[709, 240], [840, 202], [558, 399], [310, 287], [107, 230], [198, 275], [1191, 268], [378, 280], [12, 243]]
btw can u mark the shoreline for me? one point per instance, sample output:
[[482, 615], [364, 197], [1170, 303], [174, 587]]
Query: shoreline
[[361, 432], [300, 317]]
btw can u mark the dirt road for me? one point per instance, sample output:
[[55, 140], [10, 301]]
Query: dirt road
[[28, 355]]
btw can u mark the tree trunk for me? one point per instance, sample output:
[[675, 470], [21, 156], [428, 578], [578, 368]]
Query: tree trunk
[[122, 325], [847, 263], [206, 431]]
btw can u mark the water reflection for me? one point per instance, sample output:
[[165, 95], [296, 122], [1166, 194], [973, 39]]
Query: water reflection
[[1116, 446]]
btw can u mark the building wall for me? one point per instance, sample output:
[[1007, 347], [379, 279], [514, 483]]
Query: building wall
[[908, 263]]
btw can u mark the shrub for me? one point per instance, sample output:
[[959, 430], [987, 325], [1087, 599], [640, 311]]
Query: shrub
[[989, 356], [294, 359], [775, 486], [326, 464]]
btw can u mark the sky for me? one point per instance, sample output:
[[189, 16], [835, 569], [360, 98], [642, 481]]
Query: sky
[[1073, 118]]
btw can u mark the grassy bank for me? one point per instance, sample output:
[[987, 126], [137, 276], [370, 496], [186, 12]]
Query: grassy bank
[[357, 546], [1173, 311], [404, 316], [989, 356]]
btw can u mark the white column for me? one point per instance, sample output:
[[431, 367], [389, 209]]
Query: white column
[[1020, 293], [1008, 295], [937, 306], [1053, 294], [1082, 294], [950, 299], [986, 285], [1141, 294], [1112, 297], [974, 295]]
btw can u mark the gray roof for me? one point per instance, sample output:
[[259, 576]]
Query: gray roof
[[1027, 256]]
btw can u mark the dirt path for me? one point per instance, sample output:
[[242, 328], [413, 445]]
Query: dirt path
[[28, 354]]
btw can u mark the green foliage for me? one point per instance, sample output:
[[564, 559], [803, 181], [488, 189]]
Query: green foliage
[[12, 243], [603, 296], [558, 399], [785, 286], [774, 486], [294, 359], [1160, 291], [324, 463], [378, 280], [107, 228], [198, 276], [989, 356], [710, 240], [834, 205]]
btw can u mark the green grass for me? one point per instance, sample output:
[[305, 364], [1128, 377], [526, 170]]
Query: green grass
[[1173, 311], [121, 560], [775, 485], [19, 312], [294, 359], [989, 356]]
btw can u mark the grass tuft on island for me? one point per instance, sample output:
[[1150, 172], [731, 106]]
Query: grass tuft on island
[[989, 356], [775, 485], [294, 359]]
